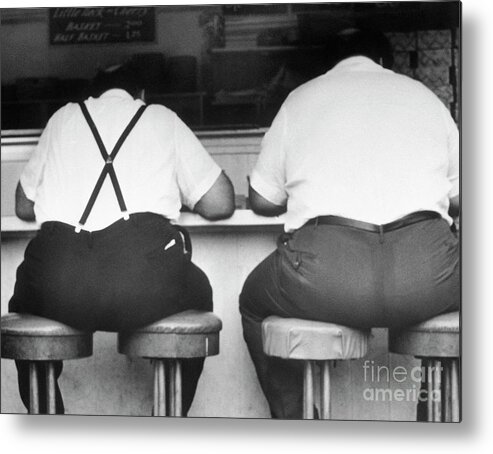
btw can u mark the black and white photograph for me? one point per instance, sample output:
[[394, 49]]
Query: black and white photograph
[[242, 211]]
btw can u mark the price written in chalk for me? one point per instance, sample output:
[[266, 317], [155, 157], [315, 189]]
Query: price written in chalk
[[101, 25]]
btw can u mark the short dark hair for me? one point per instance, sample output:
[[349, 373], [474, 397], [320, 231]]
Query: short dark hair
[[125, 76], [368, 43]]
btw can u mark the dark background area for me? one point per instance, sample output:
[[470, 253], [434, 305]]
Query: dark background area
[[253, 56]]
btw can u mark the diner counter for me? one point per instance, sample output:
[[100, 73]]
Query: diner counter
[[12, 226]]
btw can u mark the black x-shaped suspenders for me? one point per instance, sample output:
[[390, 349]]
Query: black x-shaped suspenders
[[108, 167]]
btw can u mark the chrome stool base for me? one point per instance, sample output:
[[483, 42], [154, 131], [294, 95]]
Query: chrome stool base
[[188, 334], [437, 343], [316, 344], [42, 341]]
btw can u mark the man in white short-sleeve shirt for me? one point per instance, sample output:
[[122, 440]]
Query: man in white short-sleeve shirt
[[107, 182], [365, 164], [160, 166], [360, 142]]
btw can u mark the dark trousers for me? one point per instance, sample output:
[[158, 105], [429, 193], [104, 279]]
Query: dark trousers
[[351, 277], [123, 277]]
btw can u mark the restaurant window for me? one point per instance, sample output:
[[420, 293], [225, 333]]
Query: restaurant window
[[217, 67]]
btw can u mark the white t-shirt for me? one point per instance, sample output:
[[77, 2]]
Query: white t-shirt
[[160, 165], [360, 142]]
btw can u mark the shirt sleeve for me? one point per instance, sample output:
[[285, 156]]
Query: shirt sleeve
[[32, 174], [268, 177], [454, 156], [196, 171]]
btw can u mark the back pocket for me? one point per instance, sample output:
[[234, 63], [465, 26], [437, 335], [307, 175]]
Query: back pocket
[[168, 258]]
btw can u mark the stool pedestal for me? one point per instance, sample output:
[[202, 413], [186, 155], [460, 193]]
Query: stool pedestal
[[41, 341], [437, 343], [189, 334], [317, 344]]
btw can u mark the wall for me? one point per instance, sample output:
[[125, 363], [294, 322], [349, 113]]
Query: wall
[[26, 51], [432, 57]]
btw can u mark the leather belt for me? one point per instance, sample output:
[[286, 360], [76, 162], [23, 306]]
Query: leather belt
[[412, 218]]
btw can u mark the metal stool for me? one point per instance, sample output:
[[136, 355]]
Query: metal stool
[[34, 339], [188, 334], [437, 343], [314, 343]]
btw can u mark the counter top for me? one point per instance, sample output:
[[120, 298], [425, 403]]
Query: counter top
[[15, 136], [241, 219]]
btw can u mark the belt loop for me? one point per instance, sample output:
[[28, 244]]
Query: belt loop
[[380, 232], [316, 221]]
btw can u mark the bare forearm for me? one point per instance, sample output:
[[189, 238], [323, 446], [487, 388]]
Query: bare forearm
[[454, 207], [24, 208]]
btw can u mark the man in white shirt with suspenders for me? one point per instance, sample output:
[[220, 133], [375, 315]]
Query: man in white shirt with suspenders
[[106, 182]]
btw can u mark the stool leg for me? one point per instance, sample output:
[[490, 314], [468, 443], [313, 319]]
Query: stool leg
[[50, 388], [155, 393], [446, 391], [33, 389], [437, 390], [455, 389], [427, 367], [159, 388], [308, 391], [325, 390], [178, 389], [171, 388]]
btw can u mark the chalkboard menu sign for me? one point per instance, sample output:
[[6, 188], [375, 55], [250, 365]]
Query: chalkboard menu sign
[[101, 25]]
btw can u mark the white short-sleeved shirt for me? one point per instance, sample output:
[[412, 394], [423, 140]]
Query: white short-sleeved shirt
[[360, 142], [160, 165]]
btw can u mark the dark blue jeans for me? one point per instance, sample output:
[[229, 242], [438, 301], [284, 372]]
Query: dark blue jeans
[[351, 277]]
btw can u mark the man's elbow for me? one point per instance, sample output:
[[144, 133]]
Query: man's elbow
[[454, 206], [222, 211], [24, 208], [262, 206], [25, 213], [268, 211], [219, 202]]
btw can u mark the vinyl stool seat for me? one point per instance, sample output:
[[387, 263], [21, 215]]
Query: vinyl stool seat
[[437, 343], [315, 343], [188, 334], [31, 338]]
